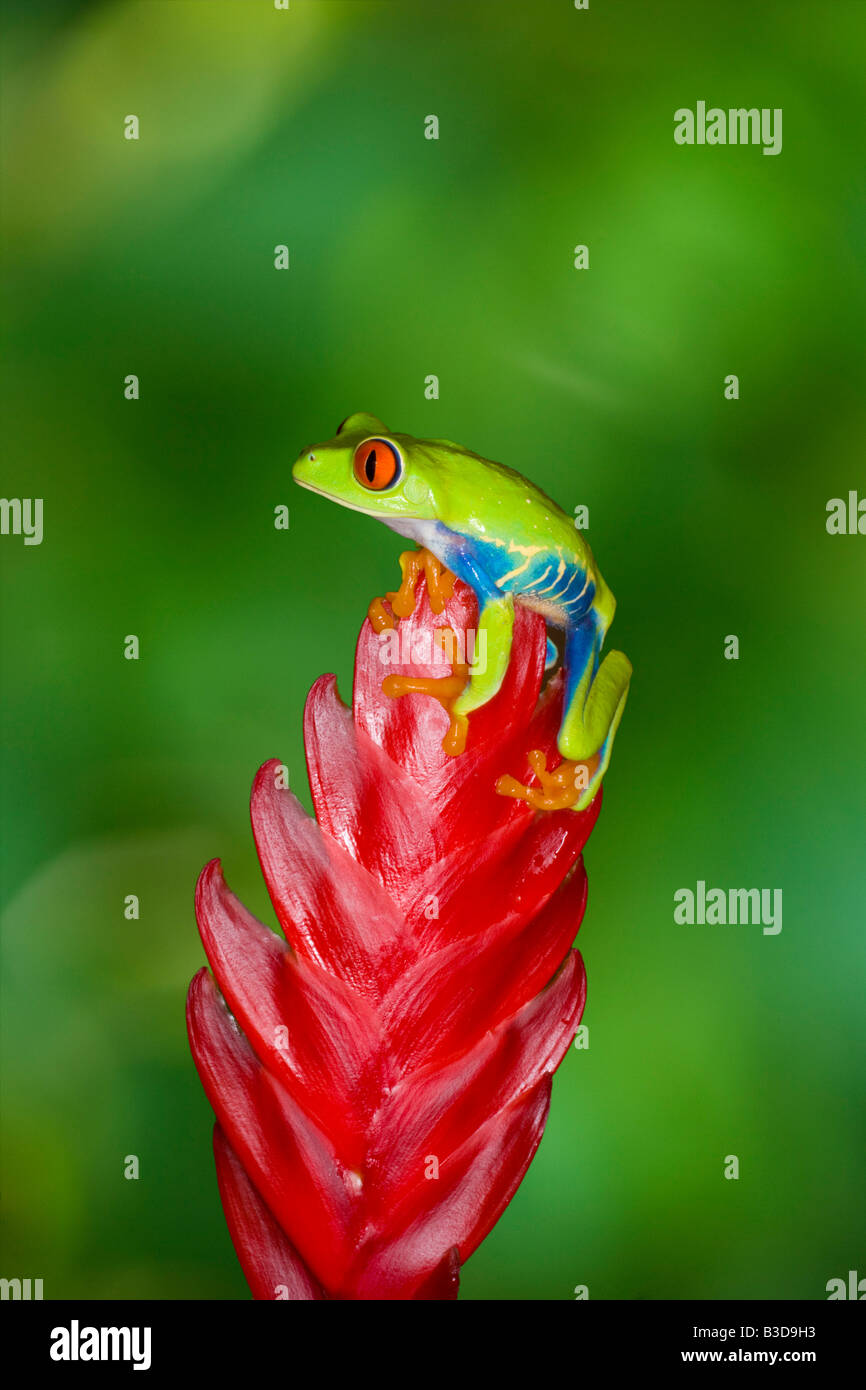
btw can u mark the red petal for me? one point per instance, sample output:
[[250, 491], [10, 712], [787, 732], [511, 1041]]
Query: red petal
[[427, 993], [442, 1006], [273, 1268], [470, 1194], [368, 804], [313, 1032], [431, 1111], [331, 910], [288, 1159]]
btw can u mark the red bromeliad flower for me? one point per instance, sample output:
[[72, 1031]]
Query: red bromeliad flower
[[382, 1082]]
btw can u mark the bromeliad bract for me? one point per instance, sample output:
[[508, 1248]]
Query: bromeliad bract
[[381, 1077]]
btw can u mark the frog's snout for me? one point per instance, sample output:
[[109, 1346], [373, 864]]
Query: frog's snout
[[300, 468]]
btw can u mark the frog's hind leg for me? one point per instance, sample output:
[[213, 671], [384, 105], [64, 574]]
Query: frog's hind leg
[[593, 704], [595, 697]]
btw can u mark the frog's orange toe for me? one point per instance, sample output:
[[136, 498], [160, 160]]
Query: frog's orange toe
[[440, 582], [559, 789], [454, 741], [440, 587], [380, 618]]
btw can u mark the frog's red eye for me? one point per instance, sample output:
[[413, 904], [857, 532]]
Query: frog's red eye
[[377, 464]]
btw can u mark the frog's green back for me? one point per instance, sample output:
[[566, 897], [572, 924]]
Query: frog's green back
[[492, 502]]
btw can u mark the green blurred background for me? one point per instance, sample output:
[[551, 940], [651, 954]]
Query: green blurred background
[[452, 257]]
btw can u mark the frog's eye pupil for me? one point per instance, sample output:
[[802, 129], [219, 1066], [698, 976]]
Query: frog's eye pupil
[[377, 464]]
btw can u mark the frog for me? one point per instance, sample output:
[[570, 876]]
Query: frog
[[489, 526]]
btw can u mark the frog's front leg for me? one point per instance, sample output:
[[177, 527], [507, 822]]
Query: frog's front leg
[[492, 648], [492, 651]]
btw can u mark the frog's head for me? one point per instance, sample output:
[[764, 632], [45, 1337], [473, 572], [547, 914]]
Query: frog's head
[[370, 469]]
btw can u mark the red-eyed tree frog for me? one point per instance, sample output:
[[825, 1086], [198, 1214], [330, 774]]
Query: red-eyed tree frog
[[509, 542]]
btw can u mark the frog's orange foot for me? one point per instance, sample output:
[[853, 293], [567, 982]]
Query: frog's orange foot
[[440, 587], [559, 789], [445, 689]]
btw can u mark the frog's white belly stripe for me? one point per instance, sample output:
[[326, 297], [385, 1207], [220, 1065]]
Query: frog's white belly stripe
[[415, 529]]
